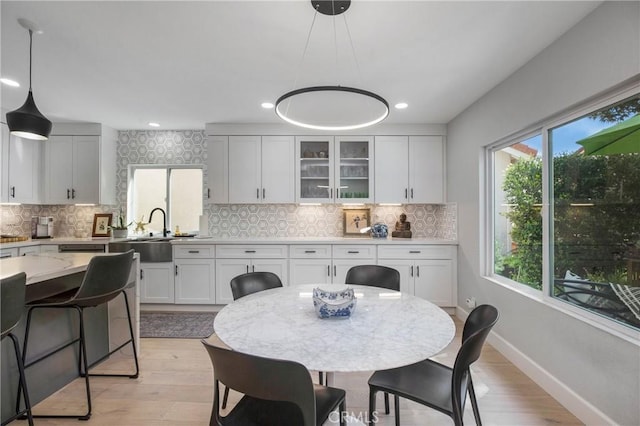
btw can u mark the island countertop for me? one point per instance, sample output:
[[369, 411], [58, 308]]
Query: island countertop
[[46, 266]]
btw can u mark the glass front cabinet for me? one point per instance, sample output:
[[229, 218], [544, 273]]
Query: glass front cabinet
[[334, 169]]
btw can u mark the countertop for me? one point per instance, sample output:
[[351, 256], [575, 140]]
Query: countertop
[[45, 266], [212, 240]]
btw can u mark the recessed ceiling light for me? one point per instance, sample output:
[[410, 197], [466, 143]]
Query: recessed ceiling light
[[9, 82], [267, 105], [154, 124], [401, 105]]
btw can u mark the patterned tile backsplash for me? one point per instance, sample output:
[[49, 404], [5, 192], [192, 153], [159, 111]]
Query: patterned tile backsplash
[[225, 221]]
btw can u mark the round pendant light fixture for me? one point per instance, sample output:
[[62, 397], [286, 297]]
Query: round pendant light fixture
[[27, 121], [331, 107]]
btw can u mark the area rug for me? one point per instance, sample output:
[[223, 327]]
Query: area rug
[[181, 325]]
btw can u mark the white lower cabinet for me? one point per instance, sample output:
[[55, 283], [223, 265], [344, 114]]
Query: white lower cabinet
[[322, 264], [194, 268], [28, 250], [156, 282], [195, 281], [425, 271], [234, 260]]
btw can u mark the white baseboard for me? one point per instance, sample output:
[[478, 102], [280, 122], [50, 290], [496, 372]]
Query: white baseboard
[[160, 307], [567, 397]]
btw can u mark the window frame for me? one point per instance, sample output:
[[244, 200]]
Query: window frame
[[617, 94], [131, 168]]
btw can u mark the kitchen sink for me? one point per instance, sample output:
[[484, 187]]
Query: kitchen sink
[[151, 249]]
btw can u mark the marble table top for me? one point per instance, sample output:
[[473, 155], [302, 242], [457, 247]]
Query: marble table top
[[387, 329]]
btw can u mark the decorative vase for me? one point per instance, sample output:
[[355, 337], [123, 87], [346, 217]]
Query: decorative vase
[[119, 233]]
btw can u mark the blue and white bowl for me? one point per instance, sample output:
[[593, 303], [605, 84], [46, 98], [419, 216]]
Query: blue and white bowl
[[334, 304]]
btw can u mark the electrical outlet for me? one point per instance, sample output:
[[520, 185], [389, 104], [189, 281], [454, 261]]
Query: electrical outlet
[[471, 302]]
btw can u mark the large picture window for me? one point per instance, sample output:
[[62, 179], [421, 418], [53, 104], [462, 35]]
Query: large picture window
[[590, 257]]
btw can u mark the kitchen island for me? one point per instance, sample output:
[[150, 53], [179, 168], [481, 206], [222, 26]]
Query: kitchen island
[[106, 325]]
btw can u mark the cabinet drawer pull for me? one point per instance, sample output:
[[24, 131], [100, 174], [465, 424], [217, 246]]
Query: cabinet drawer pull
[[309, 251], [249, 251], [194, 251], [353, 251], [415, 251]]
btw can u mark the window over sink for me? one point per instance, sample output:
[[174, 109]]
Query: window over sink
[[176, 189]]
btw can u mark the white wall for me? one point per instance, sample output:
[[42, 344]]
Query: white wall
[[600, 52]]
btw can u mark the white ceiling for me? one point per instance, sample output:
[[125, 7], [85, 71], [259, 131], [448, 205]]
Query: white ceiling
[[184, 64]]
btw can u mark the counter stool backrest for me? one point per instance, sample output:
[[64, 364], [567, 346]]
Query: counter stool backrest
[[253, 282], [12, 301], [105, 278], [265, 378], [375, 276]]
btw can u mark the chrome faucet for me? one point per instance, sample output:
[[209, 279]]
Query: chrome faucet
[[164, 220]]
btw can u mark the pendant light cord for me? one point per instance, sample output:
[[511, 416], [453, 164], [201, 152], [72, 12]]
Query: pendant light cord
[[30, 55], [304, 54], [353, 50]]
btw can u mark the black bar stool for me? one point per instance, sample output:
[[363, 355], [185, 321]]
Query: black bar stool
[[12, 305], [106, 277]]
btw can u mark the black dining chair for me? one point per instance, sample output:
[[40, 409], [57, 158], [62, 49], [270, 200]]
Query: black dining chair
[[246, 284], [12, 296], [276, 392], [436, 385], [375, 276], [253, 282], [106, 278]]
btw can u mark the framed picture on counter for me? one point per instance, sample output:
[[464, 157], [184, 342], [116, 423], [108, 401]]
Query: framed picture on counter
[[355, 220], [101, 224]]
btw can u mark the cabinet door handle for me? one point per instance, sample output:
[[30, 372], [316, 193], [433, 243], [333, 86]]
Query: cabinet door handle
[[309, 251], [264, 193], [353, 251], [68, 194], [141, 274], [406, 193], [253, 268], [73, 193], [411, 271], [418, 271], [13, 192], [176, 269], [208, 192], [335, 270], [330, 192], [258, 193], [247, 269], [414, 251], [249, 251], [194, 251], [328, 270], [412, 193]]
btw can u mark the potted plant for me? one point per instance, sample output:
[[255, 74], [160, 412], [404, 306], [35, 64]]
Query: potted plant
[[119, 229]]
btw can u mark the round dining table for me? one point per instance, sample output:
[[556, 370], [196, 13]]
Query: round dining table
[[387, 329]]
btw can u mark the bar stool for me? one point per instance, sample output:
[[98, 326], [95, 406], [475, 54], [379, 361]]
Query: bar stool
[[106, 277], [11, 305]]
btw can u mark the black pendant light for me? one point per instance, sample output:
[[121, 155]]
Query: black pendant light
[[332, 108], [27, 121]]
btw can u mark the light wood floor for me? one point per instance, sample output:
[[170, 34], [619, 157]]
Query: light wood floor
[[175, 388]]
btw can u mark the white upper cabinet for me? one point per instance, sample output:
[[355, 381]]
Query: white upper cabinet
[[21, 165], [72, 169], [409, 169], [261, 169], [217, 191], [334, 169], [80, 168]]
